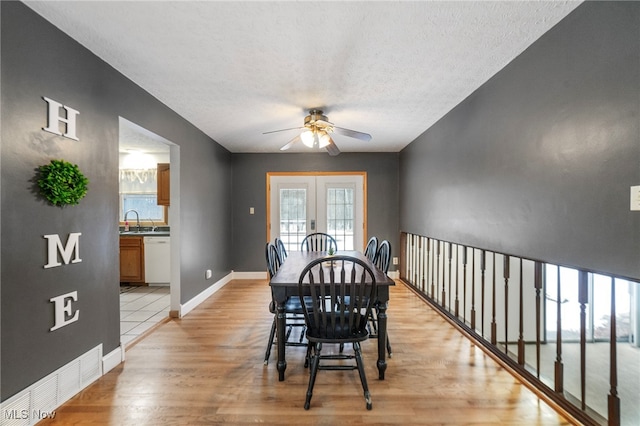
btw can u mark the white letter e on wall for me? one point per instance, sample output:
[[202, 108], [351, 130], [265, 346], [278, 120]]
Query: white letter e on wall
[[63, 308]]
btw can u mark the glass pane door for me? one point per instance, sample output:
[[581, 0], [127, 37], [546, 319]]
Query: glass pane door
[[293, 205], [341, 209], [293, 217], [340, 216], [301, 205]]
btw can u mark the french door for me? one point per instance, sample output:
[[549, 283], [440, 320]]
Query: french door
[[302, 204]]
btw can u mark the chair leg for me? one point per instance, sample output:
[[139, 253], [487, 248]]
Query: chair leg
[[288, 333], [302, 333], [308, 356], [315, 361], [373, 322], [389, 348], [363, 378], [270, 343]]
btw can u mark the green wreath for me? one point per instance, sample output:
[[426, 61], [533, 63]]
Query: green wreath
[[62, 183]]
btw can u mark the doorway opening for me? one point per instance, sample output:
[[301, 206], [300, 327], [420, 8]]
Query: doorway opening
[[331, 202], [154, 296]]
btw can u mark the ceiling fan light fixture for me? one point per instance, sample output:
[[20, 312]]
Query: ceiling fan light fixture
[[324, 140], [308, 137], [317, 131]]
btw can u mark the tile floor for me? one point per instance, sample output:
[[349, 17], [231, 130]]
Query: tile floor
[[141, 307]]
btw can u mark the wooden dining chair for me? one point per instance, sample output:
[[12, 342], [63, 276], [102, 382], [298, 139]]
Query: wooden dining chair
[[318, 241], [382, 257], [282, 251], [371, 249], [331, 320], [292, 308]]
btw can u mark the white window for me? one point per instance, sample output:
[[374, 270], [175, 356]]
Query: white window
[[138, 191]]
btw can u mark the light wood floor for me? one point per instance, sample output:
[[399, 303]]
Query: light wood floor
[[207, 368]]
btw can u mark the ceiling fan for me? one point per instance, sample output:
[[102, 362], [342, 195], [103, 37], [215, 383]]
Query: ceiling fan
[[316, 133]]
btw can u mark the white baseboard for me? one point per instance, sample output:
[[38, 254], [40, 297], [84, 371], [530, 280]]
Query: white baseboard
[[185, 308], [394, 275], [112, 359], [250, 275]]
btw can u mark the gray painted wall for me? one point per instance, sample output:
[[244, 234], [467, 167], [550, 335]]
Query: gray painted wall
[[38, 60], [250, 186], [538, 162]]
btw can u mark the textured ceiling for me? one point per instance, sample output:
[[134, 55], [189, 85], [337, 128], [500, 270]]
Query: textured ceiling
[[238, 69]]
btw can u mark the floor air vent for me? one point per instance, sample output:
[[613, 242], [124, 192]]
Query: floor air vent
[[40, 400]]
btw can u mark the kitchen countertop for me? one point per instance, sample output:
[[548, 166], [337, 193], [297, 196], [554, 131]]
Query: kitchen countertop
[[145, 234]]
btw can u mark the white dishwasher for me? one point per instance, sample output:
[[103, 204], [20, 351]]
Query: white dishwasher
[[157, 260]]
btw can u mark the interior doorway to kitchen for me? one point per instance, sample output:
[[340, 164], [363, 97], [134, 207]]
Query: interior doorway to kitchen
[[140, 151], [303, 203]]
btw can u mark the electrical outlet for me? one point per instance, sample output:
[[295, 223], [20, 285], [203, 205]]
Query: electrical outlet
[[635, 198], [251, 210], [395, 260], [208, 274]]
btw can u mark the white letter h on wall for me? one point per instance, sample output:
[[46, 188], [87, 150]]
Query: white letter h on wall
[[54, 119]]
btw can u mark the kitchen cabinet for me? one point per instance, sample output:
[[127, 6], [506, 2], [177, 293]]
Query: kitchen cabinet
[[164, 174], [132, 260]]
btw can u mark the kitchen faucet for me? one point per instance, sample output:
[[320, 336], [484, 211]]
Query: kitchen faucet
[[137, 217]]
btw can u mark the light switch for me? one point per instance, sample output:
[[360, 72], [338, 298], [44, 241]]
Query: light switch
[[251, 210], [635, 197]]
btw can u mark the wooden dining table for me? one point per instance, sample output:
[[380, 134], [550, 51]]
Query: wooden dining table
[[284, 284]]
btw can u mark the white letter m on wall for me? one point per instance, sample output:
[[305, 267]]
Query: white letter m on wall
[[54, 245]]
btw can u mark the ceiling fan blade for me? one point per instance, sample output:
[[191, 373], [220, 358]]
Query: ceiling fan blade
[[352, 133], [323, 123], [291, 143], [332, 149], [283, 130]]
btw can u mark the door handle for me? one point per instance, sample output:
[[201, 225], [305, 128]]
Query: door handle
[[313, 224]]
